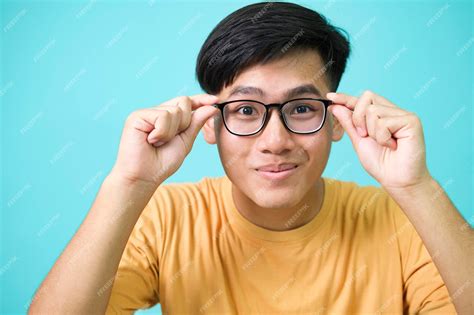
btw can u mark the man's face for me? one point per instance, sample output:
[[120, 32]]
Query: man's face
[[244, 157]]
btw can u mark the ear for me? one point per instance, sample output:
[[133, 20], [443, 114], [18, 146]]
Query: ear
[[337, 129], [209, 131]]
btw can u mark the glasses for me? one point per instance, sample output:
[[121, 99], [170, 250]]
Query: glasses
[[248, 117]]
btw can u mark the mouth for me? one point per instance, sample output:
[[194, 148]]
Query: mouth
[[277, 172]]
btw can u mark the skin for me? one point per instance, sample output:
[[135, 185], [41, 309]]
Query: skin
[[266, 203], [389, 143], [156, 140], [141, 166]]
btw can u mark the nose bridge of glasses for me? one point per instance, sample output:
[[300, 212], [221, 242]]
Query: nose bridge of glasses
[[280, 121], [278, 107]]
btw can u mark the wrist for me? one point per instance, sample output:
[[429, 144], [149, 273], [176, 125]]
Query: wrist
[[117, 178], [428, 186]]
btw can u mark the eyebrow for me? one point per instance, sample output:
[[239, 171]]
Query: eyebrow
[[291, 93]]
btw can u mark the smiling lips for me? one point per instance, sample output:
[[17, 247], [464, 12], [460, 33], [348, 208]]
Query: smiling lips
[[277, 168], [277, 172]]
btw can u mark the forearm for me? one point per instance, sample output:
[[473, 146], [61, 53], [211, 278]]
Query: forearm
[[81, 279], [447, 236]]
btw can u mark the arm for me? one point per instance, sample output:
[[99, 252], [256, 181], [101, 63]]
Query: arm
[[153, 146], [90, 261], [389, 142], [447, 236]]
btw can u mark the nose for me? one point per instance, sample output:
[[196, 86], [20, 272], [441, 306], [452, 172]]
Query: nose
[[274, 137]]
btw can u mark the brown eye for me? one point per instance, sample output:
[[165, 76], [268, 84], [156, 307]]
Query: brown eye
[[302, 109], [246, 110]]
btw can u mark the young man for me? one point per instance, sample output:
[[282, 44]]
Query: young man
[[272, 236]]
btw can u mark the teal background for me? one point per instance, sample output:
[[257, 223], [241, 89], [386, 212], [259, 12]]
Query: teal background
[[72, 71]]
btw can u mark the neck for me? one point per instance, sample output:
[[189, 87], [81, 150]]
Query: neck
[[283, 219]]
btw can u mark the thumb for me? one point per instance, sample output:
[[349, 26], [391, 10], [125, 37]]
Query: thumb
[[198, 119], [344, 116]]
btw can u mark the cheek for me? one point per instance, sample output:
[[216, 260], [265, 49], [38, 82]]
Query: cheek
[[233, 151], [317, 150]]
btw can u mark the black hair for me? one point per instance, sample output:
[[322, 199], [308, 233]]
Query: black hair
[[265, 31]]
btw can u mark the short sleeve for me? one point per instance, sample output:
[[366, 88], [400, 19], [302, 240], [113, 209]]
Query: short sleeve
[[136, 285], [424, 289]]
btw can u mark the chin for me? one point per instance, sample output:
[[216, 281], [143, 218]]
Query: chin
[[276, 199]]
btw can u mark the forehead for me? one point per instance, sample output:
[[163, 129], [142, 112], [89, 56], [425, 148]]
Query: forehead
[[277, 77]]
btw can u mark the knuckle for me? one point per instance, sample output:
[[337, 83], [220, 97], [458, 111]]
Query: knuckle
[[160, 132], [411, 116], [165, 114], [358, 118], [160, 127], [417, 121], [380, 124], [381, 135], [186, 107], [415, 117], [367, 93], [372, 109], [186, 121], [183, 100], [353, 102], [176, 110], [133, 116]]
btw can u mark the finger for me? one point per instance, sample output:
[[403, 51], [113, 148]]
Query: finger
[[343, 99], [360, 111], [176, 112], [379, 99], [203, 99], [344, 116], [173, 121], [183, 116], [350, 101], [186, 109], [398, 127], [190, 103], [198, 119], [162, 127], [376, 111], [383, 133], [180, 107], [185, 106], [143, 120], [195, 101]]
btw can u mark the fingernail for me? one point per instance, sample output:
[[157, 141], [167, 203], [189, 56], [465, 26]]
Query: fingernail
[[392, 144], [330, 94], [159, 143]]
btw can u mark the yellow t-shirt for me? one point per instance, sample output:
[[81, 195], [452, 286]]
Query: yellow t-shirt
[[193, 252]]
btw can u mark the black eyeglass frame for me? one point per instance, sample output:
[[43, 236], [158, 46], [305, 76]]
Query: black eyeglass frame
[[326, 103]]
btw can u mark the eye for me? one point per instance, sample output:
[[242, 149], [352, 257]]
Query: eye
[[302, 109], [246, 110]]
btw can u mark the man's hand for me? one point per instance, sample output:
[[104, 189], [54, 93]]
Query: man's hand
[[156, 140], [390, 145], [387, 139]]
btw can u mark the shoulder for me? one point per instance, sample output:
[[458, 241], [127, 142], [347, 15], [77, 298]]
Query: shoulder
[[174, 203], [349, 194], [365, 205], [187, 193]]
